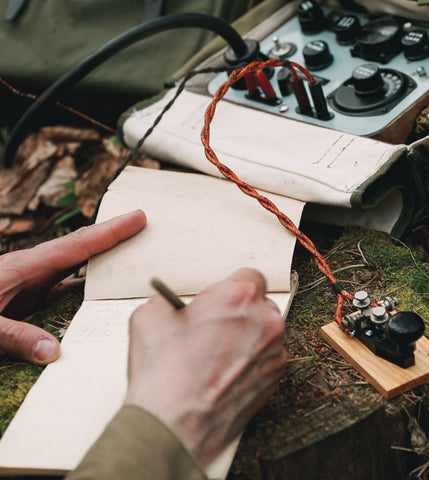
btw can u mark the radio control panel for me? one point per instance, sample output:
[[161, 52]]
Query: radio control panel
[[373, 70]]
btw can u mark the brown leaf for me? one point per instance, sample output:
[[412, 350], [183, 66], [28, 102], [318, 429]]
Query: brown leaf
[[70, 148], [53, 188], [7, 177], [32, 165], [87, 207], [69, 134], [147, 163], [93, 182], [114, 150], [33, 151], [15, 201]]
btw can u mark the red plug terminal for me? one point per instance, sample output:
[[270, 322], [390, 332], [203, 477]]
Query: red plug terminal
[[266, 86], [251, 84], [298, 88]]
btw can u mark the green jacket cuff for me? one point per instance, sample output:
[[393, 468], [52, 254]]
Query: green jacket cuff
[[136, 445]]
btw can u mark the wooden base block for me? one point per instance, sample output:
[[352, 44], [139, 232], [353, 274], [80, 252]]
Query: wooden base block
[[389, 379]]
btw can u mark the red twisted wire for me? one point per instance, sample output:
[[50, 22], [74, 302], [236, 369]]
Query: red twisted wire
[[303, 70], [248, 189]]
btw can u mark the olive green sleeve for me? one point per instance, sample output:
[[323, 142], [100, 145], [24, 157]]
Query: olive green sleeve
[[137, 446]]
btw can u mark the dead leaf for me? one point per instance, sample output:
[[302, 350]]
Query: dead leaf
[[15, 201], [7, 176], [93, 182], [69, 134], [33, 151], [115, 150], [44, 163], [70, 148], [50, 192], [32, 165], [147, 163]]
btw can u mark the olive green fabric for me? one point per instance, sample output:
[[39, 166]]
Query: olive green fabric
[[51, 36], [137, 446]]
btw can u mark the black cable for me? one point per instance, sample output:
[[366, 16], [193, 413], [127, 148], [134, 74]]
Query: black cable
[[85, 66], [140, 142]]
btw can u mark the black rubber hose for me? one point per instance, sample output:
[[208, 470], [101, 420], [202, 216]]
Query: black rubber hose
[[85, 66]]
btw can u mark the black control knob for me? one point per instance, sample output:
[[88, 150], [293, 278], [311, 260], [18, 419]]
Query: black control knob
[[284, 76], [379, 40], [311, 17], [367, 79], [415, 44], [347, 28], [317, 55], [406, 327]]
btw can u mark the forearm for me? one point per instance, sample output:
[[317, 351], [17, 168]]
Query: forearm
[[136, 445]]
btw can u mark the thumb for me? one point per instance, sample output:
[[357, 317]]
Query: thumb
[[28, 342]]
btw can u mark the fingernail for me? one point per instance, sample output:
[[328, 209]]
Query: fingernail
[[45, 351]]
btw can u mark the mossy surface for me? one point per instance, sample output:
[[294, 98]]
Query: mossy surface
[[360, 260], [15, 381], [16, 378]]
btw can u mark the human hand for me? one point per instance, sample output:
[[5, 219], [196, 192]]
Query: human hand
[[26, 276], [206, 369]]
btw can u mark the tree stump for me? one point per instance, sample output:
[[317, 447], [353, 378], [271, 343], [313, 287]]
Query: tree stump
[[325, 422]]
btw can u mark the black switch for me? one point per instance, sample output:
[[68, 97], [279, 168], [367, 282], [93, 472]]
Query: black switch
[[311, 17], [415, 44], [317, 55], [347, 28], [283, 79]]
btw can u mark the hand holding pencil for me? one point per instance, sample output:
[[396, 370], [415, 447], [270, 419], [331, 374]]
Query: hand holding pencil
[[205, 370]]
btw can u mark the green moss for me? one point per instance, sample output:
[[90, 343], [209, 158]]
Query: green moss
[[56, 318], [367, 260], [16, 378], [15, 381]]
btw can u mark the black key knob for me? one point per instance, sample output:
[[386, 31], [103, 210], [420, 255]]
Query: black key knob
[[311, 17], [347, 28], [406, 328], [317, 55], [284, 76], [415, 44], [367, 79], [379, 40]]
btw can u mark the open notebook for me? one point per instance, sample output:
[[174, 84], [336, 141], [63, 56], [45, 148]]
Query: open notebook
[[200, 229]]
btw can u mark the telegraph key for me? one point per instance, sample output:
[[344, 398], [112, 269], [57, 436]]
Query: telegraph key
[[387, 334]]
